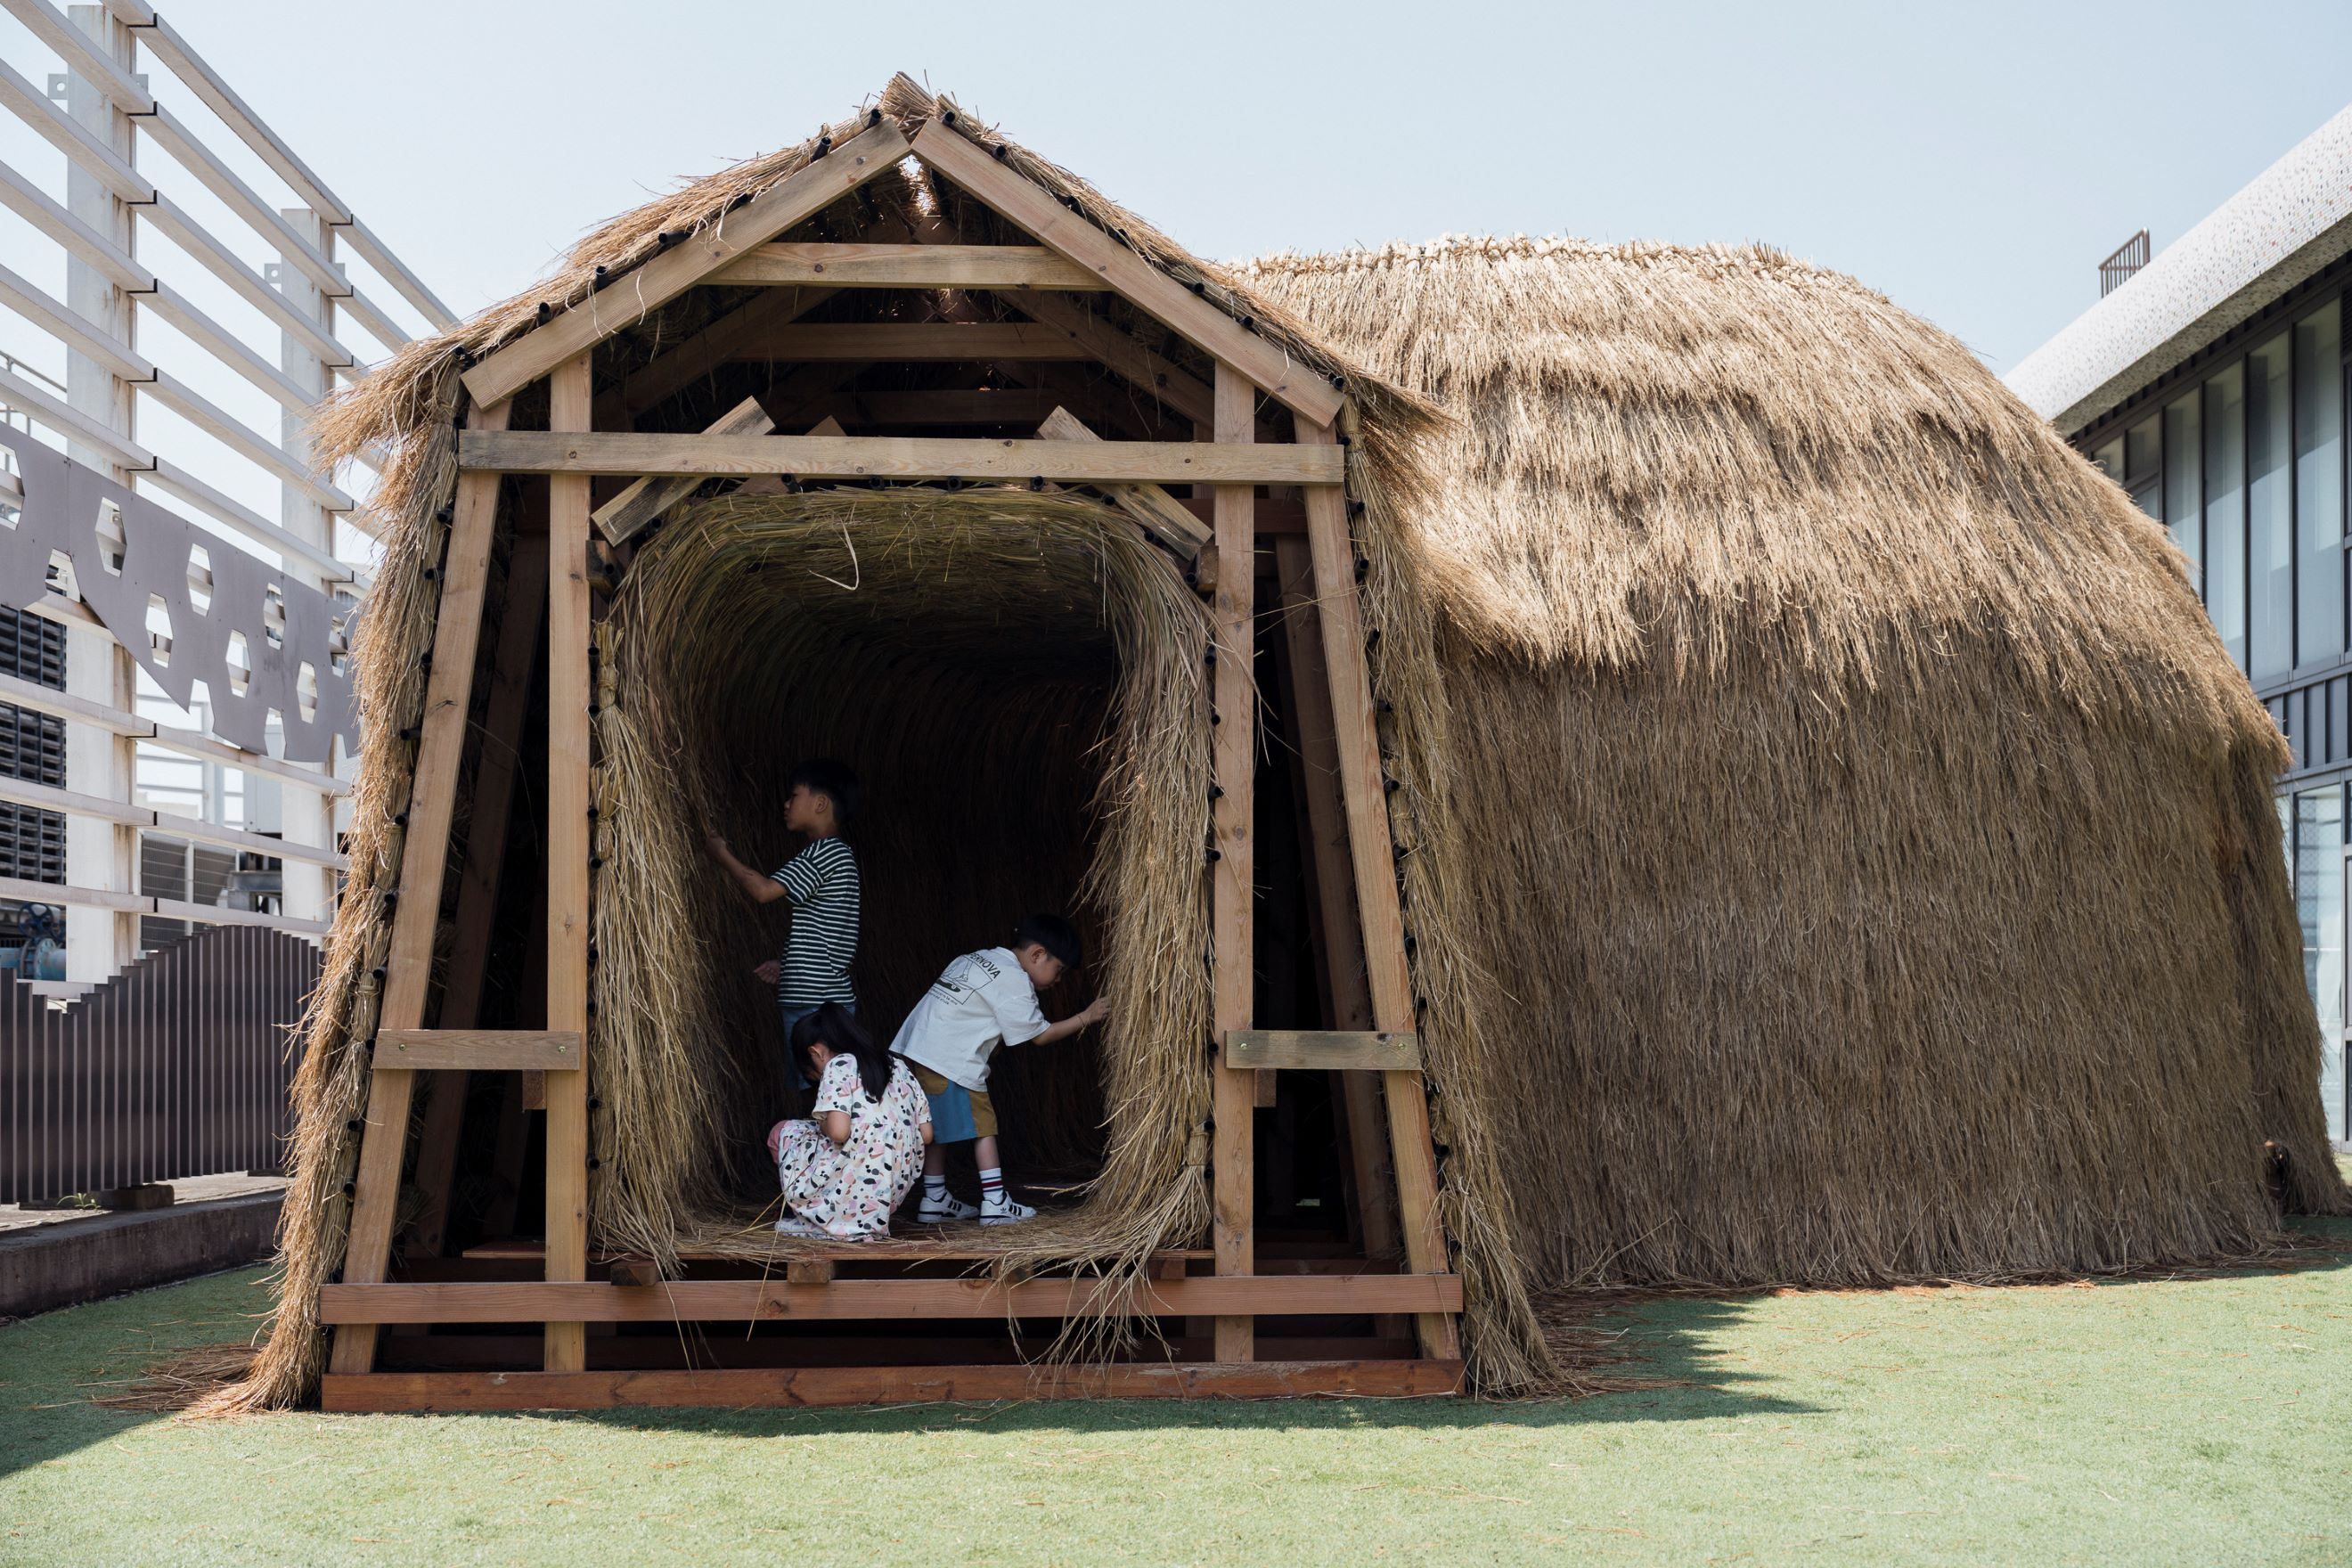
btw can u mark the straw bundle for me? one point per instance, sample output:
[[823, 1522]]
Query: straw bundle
[[1017, 677], [1841, 803]]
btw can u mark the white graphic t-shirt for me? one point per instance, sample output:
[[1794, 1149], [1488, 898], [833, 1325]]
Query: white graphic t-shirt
[[980, 1000]]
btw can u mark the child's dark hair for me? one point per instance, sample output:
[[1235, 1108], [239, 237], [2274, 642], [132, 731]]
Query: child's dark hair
[[1053, 933], [832, 780], [839, 1029]]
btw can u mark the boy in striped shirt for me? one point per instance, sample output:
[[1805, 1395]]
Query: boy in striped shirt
[[822, 884]]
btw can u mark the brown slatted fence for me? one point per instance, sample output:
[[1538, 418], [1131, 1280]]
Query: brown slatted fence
[[178, 1067]]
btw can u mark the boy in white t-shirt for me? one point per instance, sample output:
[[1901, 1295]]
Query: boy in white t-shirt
[[980, 1002]]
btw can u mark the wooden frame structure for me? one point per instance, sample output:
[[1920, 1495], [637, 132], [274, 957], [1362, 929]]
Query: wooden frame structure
[[1262, 420]]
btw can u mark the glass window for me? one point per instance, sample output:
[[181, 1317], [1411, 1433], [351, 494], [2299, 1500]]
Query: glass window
[[2184, 486], [2142, 475], [2225, 508], [2110, 459], [2319, 905], [2270, 530], [2319, 485]]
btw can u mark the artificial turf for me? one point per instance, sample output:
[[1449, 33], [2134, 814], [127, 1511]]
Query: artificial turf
[[2194, 1420]]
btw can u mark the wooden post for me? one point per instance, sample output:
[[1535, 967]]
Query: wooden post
[[477, 886], [1236, 750], [425, 849], [1371, 846], [571, 388], [1313, 737]]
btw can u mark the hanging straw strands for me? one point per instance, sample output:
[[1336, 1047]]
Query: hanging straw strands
[[1017, 677]]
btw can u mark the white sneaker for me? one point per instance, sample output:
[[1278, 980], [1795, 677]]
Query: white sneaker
[[1004, 1210], [945, 1211], [792, 1224]]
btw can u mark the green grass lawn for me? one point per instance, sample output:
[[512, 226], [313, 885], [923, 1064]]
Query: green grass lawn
[[2194, 1421]]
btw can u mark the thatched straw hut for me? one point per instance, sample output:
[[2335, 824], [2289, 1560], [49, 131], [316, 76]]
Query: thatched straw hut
[[1835, 848], [1864, 843]]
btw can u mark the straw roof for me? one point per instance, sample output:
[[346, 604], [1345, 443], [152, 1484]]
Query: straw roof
[[1856, 845]]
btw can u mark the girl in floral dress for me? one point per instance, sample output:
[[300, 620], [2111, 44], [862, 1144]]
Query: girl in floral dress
[[845, 1169]]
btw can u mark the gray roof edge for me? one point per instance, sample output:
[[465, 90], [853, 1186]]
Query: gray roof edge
[[2290, 221]]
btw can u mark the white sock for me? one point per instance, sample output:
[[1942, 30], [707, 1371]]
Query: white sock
[[935, 1188], [991, 1185]]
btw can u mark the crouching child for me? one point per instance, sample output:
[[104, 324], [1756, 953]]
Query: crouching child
[[980, 1002], [853, 1162]]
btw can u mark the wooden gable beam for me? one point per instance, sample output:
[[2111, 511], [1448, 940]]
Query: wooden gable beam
[[1148, 505], [948, 153], [870, 342], [909, 267], [1123, 354], [647, 498], [702, 353], [896, 457], [801, 193], [1001, 406]]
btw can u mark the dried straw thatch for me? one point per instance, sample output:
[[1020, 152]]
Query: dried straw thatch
[[1835, 845], [1848, 822]]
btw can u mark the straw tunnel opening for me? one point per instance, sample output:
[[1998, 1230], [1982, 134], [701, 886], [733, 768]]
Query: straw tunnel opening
[[1017, 679], [970, 701]]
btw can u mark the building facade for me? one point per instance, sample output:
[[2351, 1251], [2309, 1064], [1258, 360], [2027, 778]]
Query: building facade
[[2213, 386]]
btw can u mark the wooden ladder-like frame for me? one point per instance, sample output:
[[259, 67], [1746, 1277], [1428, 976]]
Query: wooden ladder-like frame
[[1332, 716]]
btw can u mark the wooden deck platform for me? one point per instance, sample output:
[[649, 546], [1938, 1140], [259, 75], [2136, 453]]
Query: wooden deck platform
[[808, 1387]]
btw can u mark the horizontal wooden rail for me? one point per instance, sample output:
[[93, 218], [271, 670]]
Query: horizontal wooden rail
[[827, 1387], [45, 797], [934, 342], [743, 1300], [896, 457], [479, 1050], [909, 267], [32, 893], [1323, 1050]]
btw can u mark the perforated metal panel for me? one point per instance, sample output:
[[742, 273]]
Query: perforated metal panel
[[33, 747]]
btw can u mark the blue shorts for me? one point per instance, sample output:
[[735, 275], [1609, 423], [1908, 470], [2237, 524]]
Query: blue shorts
[[957, 1114]]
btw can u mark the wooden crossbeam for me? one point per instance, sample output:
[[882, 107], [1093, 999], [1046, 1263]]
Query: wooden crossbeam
[[928, 342], [1019, 406], [424, 852], [1147, 504], [884, 1249], [481, 1050], [1122, 353], [909, 267], [703, 353], [897, 456], [954, 157], [977, 1296], [1324, 1050], [1371, 849], [661, 278], [813, 1387], [647, 498]]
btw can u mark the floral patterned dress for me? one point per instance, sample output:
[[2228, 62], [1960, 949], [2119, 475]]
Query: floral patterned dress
[[851, 1189]]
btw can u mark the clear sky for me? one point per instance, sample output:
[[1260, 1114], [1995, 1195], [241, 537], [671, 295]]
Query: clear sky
[[1973, 162]]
